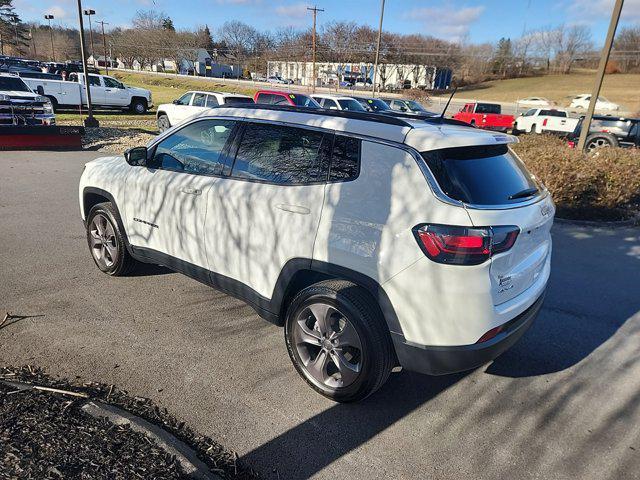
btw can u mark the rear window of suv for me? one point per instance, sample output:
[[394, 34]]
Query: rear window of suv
[[481, 175]]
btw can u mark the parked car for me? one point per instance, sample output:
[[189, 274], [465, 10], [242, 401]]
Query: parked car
[[485, 115], [539, 120], [389, 249], [19, 105], [582, 102], [540, 102], [374, 105], [407, 105], [606, 131], [338, 102], [106, 92], [275, 97], [193, 103], [363, 83], [275, 79]]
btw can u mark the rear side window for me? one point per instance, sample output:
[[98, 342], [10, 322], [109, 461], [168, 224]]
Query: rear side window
[[265, 98], [237, 100], [212, 101], [482, 175], [280, 100], [345, 159], [199, 100], [280, 154], [487, 108]]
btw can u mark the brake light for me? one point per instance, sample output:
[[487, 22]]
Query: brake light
[[464, 245], [571, 144], [490, 334], [544, 122]]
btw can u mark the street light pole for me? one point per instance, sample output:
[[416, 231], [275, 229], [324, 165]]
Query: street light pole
[[375, 65], [604, 58], [51, 17], [90, 121], [104, 46], [315, 11], [88, 12]]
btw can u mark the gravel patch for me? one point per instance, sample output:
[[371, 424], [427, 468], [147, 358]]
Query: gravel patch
[[115, 139], [42, 433]]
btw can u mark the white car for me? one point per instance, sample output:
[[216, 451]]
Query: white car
[[106, 92], [193, 103], [377, 242], [19, 105], [539, 120], [582, 102], [536, 102], [275, 79], [338, 102]]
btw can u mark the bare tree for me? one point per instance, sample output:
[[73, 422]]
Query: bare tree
[[572, 43]]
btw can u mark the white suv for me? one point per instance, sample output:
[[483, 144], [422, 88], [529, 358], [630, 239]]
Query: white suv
[[194, 103], [376, 241]]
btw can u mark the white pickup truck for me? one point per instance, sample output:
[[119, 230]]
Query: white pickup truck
[[539, 120], [106, 92]]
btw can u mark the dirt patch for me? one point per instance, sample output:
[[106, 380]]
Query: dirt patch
[[43, 435]]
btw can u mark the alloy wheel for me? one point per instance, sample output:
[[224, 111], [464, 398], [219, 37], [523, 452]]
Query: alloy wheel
[[328, 345], [104, 245], [598, 143]]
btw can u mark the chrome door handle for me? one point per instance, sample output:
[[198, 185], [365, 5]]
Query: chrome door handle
[[191, 191], [294, 209]]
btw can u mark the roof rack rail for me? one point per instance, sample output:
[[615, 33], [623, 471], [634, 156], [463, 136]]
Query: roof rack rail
[[365, 116], [431, 118]]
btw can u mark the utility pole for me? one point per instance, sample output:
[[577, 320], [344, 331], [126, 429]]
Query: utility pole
[[104, 46], [88, 12], [35, 53], [604, 58], [375, 65], [315, 11], [50, 17], [90, 121]]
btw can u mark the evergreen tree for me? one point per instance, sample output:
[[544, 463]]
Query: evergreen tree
[[503, 58], [12, 31], [167, 24]]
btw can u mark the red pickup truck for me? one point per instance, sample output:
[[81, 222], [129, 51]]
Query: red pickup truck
[[485, 115]]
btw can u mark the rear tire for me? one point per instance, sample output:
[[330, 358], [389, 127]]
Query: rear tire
[[338, 340], [106, 241], [596, 141]]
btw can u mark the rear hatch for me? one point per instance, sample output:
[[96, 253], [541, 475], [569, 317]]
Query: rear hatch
[[497, 190]]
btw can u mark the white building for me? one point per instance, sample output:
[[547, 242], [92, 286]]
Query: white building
[[331, 73]]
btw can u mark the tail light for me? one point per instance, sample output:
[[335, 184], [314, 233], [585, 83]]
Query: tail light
[[464, 245], [571, 144], [544, 122]]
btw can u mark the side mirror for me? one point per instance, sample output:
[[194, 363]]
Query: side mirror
[[136, 156], [176, 102], [40, 90]]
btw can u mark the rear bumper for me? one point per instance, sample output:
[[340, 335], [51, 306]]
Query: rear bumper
[[442, 360]]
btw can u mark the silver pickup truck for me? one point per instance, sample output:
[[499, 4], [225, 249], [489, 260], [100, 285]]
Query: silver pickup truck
[[19, 105]]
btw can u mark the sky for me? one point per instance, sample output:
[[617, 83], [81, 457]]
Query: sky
[[456, 20]]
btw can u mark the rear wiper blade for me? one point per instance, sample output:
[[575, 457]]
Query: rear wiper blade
[[527, 192]]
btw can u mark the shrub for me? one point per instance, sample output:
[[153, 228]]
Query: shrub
[[600, 186]]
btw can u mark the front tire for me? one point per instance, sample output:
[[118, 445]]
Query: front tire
[[163, 123], [596, 141], [338, 340], [106, 241], [139, 106]]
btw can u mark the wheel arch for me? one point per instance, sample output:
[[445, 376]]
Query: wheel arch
[[92, 196], [299, 273]]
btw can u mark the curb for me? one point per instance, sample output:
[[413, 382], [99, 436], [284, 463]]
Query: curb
[[191, 464]]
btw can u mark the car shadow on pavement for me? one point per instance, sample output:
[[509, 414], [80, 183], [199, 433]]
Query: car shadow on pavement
[[591, 294], [149, 269]]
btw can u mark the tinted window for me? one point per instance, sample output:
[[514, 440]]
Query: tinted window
[[265, 98], [328, 103], [237, 100], [373, 104], [303, 101], [199, 100], [345, 159], [349, 104], [112, 83], [280, 154], [195, 148], [185, 99], [94, 81], [487, 108], [280, 100], [529, 113], [13, 83], [212, 101], [485, 175]]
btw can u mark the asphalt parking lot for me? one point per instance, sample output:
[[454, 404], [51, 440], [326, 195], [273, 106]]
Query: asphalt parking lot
[[564, 403]]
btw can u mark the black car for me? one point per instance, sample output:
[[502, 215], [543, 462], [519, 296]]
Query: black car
[[407, 105], [606, 131], [377, 105]]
